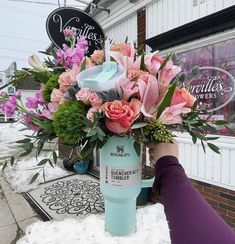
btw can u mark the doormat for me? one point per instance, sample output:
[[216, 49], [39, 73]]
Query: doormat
[[73, 196]]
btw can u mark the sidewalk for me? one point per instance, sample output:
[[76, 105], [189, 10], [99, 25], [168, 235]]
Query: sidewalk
[[15, 214]]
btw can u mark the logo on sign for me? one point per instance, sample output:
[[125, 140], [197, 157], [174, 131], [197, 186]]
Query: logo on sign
[[120, 152], [84, 25], [214, 87]]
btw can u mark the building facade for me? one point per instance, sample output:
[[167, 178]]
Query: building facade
[[164, 24]]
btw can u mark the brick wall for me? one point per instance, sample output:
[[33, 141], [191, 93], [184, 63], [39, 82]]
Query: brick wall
[[141, 28], [221, 199]]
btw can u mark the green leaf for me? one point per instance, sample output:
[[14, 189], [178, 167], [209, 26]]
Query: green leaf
[[194, 137], [169, 56], [221, 122], [34, 178], [91, 133], [213, 147], [12, 160], [42, 162], [42, 77], [167, 99], [53, 52], [203, 146], [50, 163], [138, 125], [126, 40], [83, 65], [54, 157], [26, 140], [46, 125], [39, 147], [101, 132], [27, 152], [201, 137], [212, 138], [4, 165], [194, 105]]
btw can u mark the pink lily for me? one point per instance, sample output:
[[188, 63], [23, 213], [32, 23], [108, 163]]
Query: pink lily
[[149, 95]]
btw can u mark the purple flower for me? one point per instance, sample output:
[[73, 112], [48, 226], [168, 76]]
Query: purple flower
[[10, 106], [33, 102], [69, 57], [82, 43], [27, 120]]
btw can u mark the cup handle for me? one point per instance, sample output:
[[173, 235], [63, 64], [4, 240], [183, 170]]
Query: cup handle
[[147, 182]]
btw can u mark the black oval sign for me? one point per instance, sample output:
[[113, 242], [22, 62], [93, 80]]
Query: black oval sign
[[66, 18]]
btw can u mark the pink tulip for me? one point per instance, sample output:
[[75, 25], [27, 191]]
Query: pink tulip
[[173, 114]]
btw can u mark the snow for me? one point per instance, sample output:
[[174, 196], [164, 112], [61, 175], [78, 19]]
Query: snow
[[20, 174], [152, 228]]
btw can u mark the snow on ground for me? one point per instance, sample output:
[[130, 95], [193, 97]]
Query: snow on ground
[[152, 228], [20, 174]]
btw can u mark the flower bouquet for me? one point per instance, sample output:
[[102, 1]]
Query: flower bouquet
[[148, 102]]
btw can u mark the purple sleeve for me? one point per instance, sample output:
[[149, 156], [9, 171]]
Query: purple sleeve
[[191, 219]]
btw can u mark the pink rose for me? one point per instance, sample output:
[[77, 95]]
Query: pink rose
[[124, 49], [181, 95], [84, 95], [95, 100], [98, 57], [121, 114], [57, 96], [91, 111], [173, 114], [67, 79]]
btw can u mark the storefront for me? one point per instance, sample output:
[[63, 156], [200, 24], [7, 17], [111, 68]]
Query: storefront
[[203, 34]]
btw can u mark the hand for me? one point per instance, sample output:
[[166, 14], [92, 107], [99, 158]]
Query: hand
[[159, 150]]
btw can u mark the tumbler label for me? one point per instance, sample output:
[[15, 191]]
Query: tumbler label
[[120, 177]]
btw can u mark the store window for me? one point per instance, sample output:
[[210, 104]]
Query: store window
[[215, 85]]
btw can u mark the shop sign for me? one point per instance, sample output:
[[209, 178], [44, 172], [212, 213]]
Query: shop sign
[[67, 18], [214, 87]]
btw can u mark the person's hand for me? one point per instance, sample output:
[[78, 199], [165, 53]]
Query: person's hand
[[159, 150]]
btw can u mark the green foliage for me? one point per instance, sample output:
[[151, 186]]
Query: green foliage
[[50, 85], [167, 99], [68, 123], [155, 131]]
